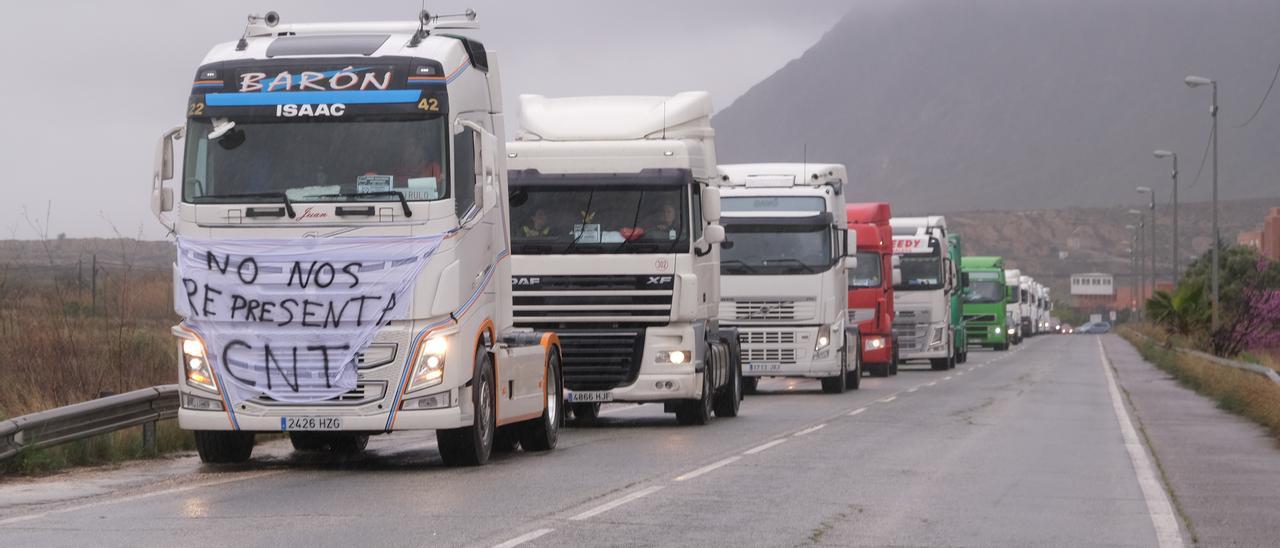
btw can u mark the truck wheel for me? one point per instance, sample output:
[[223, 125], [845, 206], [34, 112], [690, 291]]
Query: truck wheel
[[698, 412], [472, 445], [542, 433], [224, 447], [951, 362], [939, 364], [730, 397], [835, 384], [1002, 347], [893, 362], [853, 380], [585, 412], [750, 385], [878, 369], [506, 439]]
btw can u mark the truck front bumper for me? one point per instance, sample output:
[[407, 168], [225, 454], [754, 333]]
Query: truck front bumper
[[456, 412]]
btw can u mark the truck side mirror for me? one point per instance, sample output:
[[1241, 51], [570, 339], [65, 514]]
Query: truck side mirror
[[713, 233], [161, 195], [851, 245], [851, 262], [710, 204], [897, 275]]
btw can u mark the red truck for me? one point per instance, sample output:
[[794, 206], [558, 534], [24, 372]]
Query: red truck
[[871, 286]]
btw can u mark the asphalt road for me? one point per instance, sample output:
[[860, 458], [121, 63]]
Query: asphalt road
[[1019, 448]]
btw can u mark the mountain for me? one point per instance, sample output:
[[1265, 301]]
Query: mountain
[[955, 105]]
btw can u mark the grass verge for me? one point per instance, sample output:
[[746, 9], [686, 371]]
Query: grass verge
[[1240, 392], [110, 448]]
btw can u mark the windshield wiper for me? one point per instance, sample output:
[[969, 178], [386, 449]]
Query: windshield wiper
[[744, 266], [404, 204], [288, 206], [796, 261]]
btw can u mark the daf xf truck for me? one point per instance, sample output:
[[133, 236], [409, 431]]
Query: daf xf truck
[[616, 241], [342, 245], [871, 283], [922, 319], [985, 302], [783, 281]]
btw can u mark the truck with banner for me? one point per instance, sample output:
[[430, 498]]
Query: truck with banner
[[616, 246], [870, 288], [985, 302], [1015, 304], [342, 246], [922, 302], [783, 283]]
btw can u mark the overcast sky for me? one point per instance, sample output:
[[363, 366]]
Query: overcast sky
[[89, 86]]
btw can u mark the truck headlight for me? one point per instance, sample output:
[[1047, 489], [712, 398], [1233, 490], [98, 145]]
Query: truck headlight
[[674, 357], [873, 343], [429, 370], [995, 329], [824, 337], [1010, 330], [196, 366], [936, 339]]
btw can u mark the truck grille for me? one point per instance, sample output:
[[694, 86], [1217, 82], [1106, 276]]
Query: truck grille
[[601, 360], [767, 337], [911, 327], [988, 318], [785, 356], [859, 315], [364, 392], [780, 309], [552, 302]]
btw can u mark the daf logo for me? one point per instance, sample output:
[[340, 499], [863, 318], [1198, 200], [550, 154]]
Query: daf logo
[[526, 280], [658, 280]]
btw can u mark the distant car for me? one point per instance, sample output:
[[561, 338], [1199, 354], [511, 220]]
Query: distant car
[[1095, 328]]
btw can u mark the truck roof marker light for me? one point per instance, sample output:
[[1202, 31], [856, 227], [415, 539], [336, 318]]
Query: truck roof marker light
[[271, 19]]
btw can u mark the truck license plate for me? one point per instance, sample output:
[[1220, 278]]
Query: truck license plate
[[590, 397], [311, 423], [764, 367]]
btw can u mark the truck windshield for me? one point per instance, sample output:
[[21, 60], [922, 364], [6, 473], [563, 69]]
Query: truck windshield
[[594, 219], [984, 287], [315, 161], [773, 249], [867, 274], [921, 271]]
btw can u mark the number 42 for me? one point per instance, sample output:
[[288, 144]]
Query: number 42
[[429, 104]]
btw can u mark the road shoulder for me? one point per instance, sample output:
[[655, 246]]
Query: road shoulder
[[1221, 468]]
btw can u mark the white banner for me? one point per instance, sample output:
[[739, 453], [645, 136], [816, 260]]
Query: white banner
[[285, 318]]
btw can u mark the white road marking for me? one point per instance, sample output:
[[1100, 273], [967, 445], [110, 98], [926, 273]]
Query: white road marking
[[615, 503], [140, 496], [959, 373], [970, 369], [857, 411], [523, 538], [946, 378], [1158, 505], [888, 399], [811, 429], [934, 383], [764, 446], [913, 389], [707, 468]]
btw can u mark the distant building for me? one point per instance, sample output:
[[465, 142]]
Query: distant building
[[1093, 291], [1270, 241], [1250, 238]]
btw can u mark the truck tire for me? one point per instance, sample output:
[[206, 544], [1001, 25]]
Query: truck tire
[[224, 447], [542, 433], [506, 439], [729, 399], [878, 369], [939, 364], [698, 412], [853, 380], [835, 384], [750, 385], [893, 362], [472, 445], [585, 412], [1002, 347]]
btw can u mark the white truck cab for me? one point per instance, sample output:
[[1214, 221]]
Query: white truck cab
[[784, 280], [342, 245], [922, 302], [1016, 307], [616, 246]]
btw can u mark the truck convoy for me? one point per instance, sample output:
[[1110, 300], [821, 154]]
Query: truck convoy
[[342, 240], [784, 278], [922, 305], [616, 246], [1016, 303], [871, 283], [985, 302]]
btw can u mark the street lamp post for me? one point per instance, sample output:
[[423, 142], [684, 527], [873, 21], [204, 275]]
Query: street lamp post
[[1151, 243], [1175, 267], [1142, 275], [1196, 81]]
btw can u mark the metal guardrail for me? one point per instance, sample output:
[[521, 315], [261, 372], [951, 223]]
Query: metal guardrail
[[1246, 366], [87, 419]]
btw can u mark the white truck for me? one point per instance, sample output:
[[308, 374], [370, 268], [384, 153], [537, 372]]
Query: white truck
[[342, 245], [1017, 305], [784, 282], [1027, 286], [616, 246], [922, 302]]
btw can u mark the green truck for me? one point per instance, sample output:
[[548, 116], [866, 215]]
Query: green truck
[[985, 301], [958, 316]]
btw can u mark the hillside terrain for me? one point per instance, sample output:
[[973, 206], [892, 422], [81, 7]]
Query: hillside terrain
[[961, 105]]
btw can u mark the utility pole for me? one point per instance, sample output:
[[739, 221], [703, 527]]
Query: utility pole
[[93, 287]]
